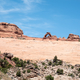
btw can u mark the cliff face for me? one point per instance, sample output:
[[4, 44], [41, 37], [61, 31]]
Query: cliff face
[[10, 30]]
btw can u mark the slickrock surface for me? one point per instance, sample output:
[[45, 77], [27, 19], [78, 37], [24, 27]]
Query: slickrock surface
[[41, 50]]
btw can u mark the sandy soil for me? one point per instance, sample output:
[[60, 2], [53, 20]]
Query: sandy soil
[[41, 50]]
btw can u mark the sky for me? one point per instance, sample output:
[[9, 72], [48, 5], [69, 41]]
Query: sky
[[36, 17]]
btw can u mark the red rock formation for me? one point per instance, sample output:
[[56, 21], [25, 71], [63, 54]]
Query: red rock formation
[[60, 38], [73, 37], [10, 30], [63, 39], [54, 37], [47, 36]]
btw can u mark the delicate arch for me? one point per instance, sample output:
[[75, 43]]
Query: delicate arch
[[45, 36]]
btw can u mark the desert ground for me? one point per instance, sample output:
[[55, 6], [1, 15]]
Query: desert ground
[[42, 49]]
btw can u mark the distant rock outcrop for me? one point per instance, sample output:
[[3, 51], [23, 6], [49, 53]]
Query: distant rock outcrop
[[10, 30], [73, 37], [47, 36]]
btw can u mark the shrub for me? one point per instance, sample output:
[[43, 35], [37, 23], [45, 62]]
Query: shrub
[[79, 70], [49, 77], [45, 67], [18, 73], [28, 71], [36, 67], [49, 63], [4, 63], [60, 71], [71, 75], [19, 63], [24, 71], [28, 61], [60, 62], [68, 65], [9, 66], [15, 59], [4, 70], [55, 59], [43, 63], [72, 67], [79, 76]]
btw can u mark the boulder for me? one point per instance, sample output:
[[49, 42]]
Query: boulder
[[8, 55]]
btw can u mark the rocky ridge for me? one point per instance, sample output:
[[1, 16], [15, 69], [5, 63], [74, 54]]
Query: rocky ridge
[[10, 30], [71, 37]]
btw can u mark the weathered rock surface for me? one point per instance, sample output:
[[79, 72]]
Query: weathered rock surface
[[73, 37], [8, 55], [10, 61], [47, 36], [10, 30]]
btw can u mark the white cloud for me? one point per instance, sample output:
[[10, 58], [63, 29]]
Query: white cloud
[[9, 10], [30, 3], [25, 6], [29, 19]]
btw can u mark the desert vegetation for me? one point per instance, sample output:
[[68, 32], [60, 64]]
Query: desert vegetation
[[43, 70]]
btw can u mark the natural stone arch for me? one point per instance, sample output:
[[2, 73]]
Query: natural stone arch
[[45, 36]]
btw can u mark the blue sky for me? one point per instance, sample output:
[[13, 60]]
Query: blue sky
[[36, 17]]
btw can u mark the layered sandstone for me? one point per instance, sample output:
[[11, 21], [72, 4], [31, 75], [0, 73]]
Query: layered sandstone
[[10, 30], [73, 37]]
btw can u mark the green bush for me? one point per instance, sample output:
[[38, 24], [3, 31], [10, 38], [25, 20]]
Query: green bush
[[36, 66], [28, 61], [79, 76], [79, 70], [4, 70], [28, 71], [55, 59], [71, 75], [49, 77], [72, 67], [60, 71], [68, 65], [45, 67], [43, 63], [49, 63], [9, 66], [60, 62], [15, 59], [24, 71], [19, 63], [4, 65], [18, 73]]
